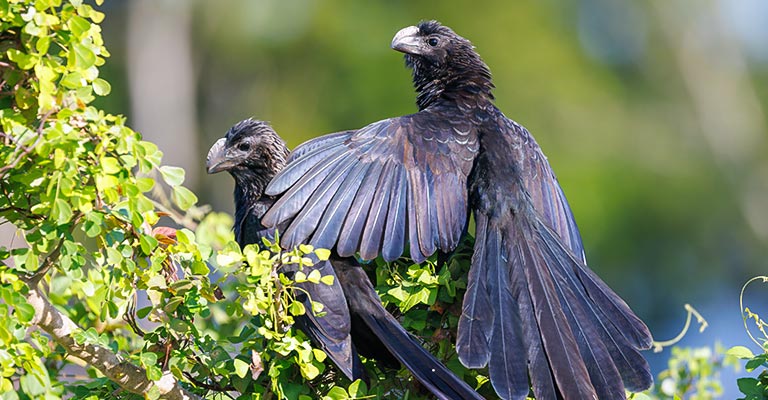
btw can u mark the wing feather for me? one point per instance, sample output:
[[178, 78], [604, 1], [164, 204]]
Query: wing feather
[[394, 233], [304, 158], [329, 227], [352, 232], [318, 201], [374, 232], [419, 151]]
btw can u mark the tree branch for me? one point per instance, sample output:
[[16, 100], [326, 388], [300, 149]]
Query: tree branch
[[116, 368]]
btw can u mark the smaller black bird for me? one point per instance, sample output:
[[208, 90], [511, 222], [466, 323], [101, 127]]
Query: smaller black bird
[[253, 153]]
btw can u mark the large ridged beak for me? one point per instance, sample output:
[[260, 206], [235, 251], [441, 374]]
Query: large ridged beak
[[407, 40], [217, 158]]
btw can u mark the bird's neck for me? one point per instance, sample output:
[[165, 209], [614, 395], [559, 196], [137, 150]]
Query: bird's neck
[[460, 83], [249, 196]]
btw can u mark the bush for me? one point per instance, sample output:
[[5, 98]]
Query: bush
[[104, 302]]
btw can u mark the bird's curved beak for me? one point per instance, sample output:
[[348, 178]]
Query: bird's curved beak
[[217, 160], [407, 40]]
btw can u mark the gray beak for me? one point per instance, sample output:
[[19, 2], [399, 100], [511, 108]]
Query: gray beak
[[407, 40], [217, 157]]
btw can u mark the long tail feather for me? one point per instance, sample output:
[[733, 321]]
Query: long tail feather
[[365, 304], [330, 332], [592, 317], [560, 345], [476, 318], [508, 358]]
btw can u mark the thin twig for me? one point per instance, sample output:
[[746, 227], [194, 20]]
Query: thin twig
[[746, 314], [659, 345]]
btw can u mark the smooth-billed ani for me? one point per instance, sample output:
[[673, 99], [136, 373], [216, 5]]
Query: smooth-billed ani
[[253, 153], [533, 311]]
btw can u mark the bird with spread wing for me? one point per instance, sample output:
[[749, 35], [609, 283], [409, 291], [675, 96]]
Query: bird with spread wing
[[533, 312]]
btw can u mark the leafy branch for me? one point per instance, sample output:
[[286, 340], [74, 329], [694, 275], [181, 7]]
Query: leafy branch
[[127, 375]]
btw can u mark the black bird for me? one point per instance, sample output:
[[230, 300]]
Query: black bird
[[533, 310], [253, 153]]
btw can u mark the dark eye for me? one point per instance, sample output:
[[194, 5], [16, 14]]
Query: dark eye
[[432, 42], [244, 146]]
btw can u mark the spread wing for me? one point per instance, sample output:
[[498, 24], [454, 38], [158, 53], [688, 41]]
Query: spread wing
[[544, 190], [395, 182]]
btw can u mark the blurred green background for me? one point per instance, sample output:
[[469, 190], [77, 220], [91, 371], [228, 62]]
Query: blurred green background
[[652, 113]]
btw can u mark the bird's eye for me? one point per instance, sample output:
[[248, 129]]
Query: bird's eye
[[244, 146], [432, 42]]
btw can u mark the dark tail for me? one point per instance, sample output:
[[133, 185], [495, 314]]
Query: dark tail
[[331, 332], [531, 306], [365, 304]]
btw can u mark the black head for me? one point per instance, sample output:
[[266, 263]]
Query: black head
[[251, 150], [442, 62]]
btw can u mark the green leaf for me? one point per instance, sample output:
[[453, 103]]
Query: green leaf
[[101, 87], [309, 371], [148, 359], [740, 352], [172, 304], [78, 25], [336, 393], [200, 268], [327, 279], [154, 373], [34, 29], [241, 367], [314, 276], [61, 211], [110, 165], [42, 46], [147, 243], [156, 282], [398, 293], [319, 355], [755, 362], [113, 309], [173, 176], [358, 389], [23, 60], [317, 307], [92, 226], [81, 56], [31, 385], [296, 308], [29, 14], [25, 312], [73, 80], [143, 312], [145, 184], [183, 197], [750, 386], [323, 254]]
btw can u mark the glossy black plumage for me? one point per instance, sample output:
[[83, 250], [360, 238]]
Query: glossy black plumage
[[253, 153], [533, 311]]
